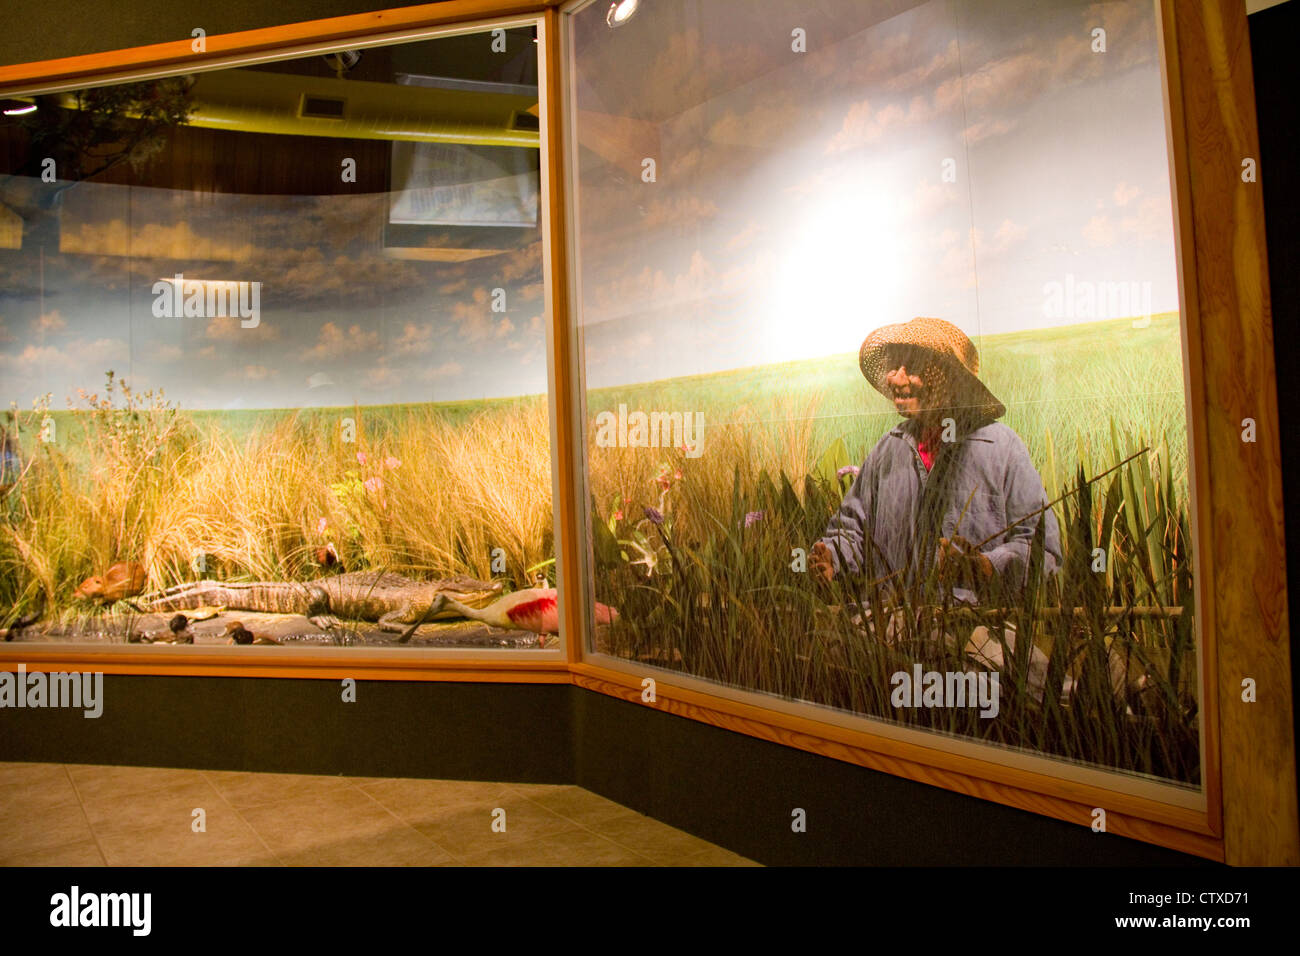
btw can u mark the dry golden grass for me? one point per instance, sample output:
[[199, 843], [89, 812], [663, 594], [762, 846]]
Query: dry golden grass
[[422, 496]]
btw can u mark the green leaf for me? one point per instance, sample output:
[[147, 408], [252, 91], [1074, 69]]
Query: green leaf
[[835, 457]]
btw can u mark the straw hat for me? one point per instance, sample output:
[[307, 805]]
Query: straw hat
[[956, 361]]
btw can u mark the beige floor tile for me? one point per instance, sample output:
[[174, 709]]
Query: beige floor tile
[[535, 789], [466, 831], [243, 790], [571, 848], [658, 841], [14, 772], [228, 841], [94, 781], [398, 846], [171, 805], [296, 825], [582, 806], [35, 786], [715, 856], [134, 816], [25, 832], [81, 853], [418, 800]]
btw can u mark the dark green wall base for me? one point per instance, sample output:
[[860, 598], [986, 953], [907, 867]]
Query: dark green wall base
[[739, 792], [727, 788], [402, 729]]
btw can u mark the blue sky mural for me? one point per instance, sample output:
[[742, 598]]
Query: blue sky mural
[[800, 200]]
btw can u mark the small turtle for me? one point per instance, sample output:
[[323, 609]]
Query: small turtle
[[180, 628], [194, 615], [238, 634]]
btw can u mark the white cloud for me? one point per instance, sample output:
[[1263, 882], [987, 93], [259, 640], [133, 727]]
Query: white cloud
[[445, 370], [415, 339], [1100, 231], [49, 322], [335, 343]]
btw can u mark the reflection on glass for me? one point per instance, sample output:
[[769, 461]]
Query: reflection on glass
[[273, 342], [883, 367]]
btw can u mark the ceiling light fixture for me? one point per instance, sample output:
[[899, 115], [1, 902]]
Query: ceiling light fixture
[[620, 11], [20, 110], [342, 62]]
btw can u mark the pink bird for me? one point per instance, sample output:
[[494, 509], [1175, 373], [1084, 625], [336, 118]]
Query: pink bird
[[531, 609]]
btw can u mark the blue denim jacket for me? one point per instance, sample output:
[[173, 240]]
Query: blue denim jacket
[[988, 475]]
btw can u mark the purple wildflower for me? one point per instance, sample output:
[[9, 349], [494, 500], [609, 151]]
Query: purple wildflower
[[753, 517], [655, 515], [847, 470]]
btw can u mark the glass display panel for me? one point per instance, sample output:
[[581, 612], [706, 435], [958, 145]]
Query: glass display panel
[[273, 349], [879, 318]]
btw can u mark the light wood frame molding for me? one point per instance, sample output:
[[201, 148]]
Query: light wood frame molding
[[1249, 771]]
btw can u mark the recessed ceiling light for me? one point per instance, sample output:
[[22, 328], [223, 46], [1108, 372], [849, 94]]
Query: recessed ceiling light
[[620, 11]]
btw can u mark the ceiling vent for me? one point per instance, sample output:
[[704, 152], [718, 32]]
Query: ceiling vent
[[526, 121], [321, 107]]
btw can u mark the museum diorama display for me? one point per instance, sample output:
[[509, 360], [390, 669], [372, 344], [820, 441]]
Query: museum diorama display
[[863, 377], [274, 354], [882, 414]]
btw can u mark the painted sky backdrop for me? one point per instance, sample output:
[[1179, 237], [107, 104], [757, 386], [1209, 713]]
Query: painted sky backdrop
[[340, 320], [799, 203], [800, 200]]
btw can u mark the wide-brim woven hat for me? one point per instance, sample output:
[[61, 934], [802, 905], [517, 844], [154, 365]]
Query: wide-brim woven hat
[[957, 363]]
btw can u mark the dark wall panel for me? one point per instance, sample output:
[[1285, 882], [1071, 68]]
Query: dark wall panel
[[404, 729], [740, 792], [1274, 34]]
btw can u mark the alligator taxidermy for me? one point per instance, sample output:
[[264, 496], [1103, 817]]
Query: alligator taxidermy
[[390, 599]]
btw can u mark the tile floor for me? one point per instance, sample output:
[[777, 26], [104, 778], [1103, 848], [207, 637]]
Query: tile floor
[[86, 815]]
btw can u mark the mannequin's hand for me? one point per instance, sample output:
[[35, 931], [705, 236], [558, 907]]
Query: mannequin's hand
[[961, 565], [820, 563]]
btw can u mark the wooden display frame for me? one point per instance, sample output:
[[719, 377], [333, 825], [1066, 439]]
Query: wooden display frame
[[1250, 816]]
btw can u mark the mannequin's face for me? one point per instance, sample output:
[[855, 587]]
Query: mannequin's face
[[909, 372]]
